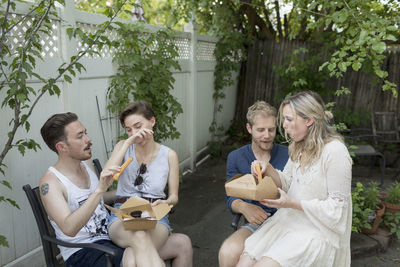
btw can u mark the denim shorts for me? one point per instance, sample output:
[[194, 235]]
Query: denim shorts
[[250, 226], [93, 257], [112, 218]]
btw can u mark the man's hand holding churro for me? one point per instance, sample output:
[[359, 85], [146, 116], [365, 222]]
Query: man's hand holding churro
[[126, 163], [105, 180]]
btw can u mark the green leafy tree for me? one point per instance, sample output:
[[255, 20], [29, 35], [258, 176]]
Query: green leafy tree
[[18, 65], [354, 33], [145, 63]]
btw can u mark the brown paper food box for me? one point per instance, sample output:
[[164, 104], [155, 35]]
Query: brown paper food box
[[244, 186], [137, 203]]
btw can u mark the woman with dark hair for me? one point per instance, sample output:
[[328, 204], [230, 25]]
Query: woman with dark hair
[[153, 166], [312, 226]]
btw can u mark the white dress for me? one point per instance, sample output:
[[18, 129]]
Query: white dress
[[319, 235]]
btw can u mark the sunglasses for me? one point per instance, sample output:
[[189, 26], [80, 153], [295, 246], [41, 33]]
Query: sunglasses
[[139, 178]]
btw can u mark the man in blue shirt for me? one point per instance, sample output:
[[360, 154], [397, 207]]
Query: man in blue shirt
[[261, 124]]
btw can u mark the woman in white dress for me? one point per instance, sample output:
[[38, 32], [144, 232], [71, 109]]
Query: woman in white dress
[[312, 226]]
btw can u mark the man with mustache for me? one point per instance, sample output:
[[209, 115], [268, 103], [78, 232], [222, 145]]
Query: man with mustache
[[74, 196], [261, 125]]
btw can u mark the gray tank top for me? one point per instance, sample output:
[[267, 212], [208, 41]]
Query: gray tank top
[[96, 228], [155, 177]]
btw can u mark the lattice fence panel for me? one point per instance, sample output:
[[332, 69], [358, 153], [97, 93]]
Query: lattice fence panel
[[16, 37], [205, 51], [183, 45], [105, 52]]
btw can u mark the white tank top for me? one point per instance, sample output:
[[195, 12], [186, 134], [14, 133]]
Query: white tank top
[[96, 228], [155, 177]]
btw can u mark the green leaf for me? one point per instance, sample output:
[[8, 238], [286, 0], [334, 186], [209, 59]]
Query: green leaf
[[13, 203], [67, 78], [56, 89], [363, 35], [342, 66], [323, 66], [3, 241], [7, 184], [380, 73], [356, 65], [21, 149], [379, 47], [21, 97], [27, 126], [390, 37]]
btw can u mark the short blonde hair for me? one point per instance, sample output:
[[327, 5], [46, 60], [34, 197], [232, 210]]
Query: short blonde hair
[[260, 108], [309, 104]]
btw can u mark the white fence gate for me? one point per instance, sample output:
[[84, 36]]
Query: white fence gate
[[193, 88]]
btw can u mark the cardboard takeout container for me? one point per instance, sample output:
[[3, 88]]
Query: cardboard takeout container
[[137, 203], [246, 187]]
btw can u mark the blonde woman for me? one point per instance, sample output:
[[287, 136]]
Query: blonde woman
[[312, 226]]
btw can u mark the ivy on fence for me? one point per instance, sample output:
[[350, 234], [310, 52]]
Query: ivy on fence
[[145, 63]]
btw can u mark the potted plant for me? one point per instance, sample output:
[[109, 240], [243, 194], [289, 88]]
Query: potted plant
[[392, 221], [360, 211], [371, 194], [391, 199]]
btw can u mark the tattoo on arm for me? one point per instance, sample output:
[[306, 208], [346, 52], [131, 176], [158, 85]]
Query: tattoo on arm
[[44, 189]]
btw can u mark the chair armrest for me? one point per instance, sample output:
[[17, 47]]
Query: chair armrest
[[105, 249], [235, 221]]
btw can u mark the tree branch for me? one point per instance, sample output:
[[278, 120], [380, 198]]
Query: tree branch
[[17, 110], [352, 14], [255, 19], [278, 19]]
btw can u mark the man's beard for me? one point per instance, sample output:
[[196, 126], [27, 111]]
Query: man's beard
[[262, 146]]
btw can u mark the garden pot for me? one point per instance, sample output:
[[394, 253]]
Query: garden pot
[[392, 208], [376, 222]]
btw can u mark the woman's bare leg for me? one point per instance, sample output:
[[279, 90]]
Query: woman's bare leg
[[128, 259], [159, 235], [178, 248], [145, 253], [245, 261]]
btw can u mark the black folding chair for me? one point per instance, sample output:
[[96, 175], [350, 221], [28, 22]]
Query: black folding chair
[[49, 241], [236, 220]]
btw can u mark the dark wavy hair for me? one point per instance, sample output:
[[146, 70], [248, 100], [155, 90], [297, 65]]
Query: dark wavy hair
[[53, 130], [138, 107]]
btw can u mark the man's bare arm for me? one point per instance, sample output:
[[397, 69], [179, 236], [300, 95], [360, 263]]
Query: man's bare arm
[[54, 198], [253, 213]]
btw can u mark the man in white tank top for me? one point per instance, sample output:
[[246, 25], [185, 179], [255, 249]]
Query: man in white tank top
[[73, 197], [72, 194]]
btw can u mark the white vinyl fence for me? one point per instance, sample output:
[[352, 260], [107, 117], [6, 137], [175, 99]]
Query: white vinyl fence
[[86, 96]]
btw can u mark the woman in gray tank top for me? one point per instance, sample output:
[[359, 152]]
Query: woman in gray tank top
[[153, 166]]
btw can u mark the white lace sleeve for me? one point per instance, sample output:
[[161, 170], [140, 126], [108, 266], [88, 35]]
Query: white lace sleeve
[[286, 175], [331, 215]]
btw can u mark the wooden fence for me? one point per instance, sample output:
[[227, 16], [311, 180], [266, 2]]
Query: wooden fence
[[258, 80]]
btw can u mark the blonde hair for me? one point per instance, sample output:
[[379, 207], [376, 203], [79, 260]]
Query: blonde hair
[[309, 104], [260, 107]]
